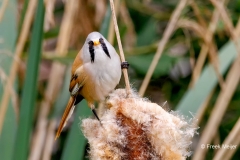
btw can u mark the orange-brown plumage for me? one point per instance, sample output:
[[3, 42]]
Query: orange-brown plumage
[[65, 116], [77, 62], [80, 78]]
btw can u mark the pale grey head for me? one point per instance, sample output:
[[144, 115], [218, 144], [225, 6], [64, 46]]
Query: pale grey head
[[95, 42]]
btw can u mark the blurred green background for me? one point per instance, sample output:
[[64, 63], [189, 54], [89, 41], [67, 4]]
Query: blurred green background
[[39, 41]]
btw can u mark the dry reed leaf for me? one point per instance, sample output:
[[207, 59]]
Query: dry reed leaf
[[199, 65], [47, 151], [237, 29], [130, 36], [227, 21], [185, 23], [189, 46], [192, 25], [111, 34], [83, 23], [205, 47], [17, 54], [166, 35], [216, 140], [100, 10], [209, 47], [57, 73], [200, 114], [146, 1], [135, 128], [197, 13], [214, 60], [14, 96], [49, 14], [232, 139], [219, 109], [3, 8], [212, 49]]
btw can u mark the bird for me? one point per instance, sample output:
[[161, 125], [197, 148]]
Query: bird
[[96, 71]]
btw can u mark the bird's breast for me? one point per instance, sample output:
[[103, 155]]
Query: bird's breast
[[104, 75]]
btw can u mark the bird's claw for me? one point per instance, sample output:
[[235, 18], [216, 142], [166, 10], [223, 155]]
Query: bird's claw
[[125, 65]]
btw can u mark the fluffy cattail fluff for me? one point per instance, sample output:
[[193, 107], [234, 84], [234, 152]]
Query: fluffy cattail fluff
[[135, 129]]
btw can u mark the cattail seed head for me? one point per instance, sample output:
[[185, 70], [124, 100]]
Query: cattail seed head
[[135, 128]]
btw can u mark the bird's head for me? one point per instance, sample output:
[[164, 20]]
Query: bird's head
[[94, 42]]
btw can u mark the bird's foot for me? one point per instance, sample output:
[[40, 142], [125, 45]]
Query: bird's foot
[[125, 65], [95, 113]]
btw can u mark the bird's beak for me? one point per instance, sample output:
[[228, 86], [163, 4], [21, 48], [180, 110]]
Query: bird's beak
[[96, 42]]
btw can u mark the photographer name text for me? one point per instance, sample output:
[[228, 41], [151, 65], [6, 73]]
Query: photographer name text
[[219, 146]]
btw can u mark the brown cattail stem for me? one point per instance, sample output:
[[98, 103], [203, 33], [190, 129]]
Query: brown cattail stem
[[125, 73]]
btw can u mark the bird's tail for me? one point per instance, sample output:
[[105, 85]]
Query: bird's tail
[[66, 115]]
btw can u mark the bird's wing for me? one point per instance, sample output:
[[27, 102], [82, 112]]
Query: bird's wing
[[77, 81], [77, 62], [79, 75]]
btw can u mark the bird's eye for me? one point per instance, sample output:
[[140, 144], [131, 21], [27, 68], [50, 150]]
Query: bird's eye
[[90, 43], [101, 40]]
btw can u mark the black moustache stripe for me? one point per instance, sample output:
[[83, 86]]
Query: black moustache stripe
[[91, 50], [104, 47]]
